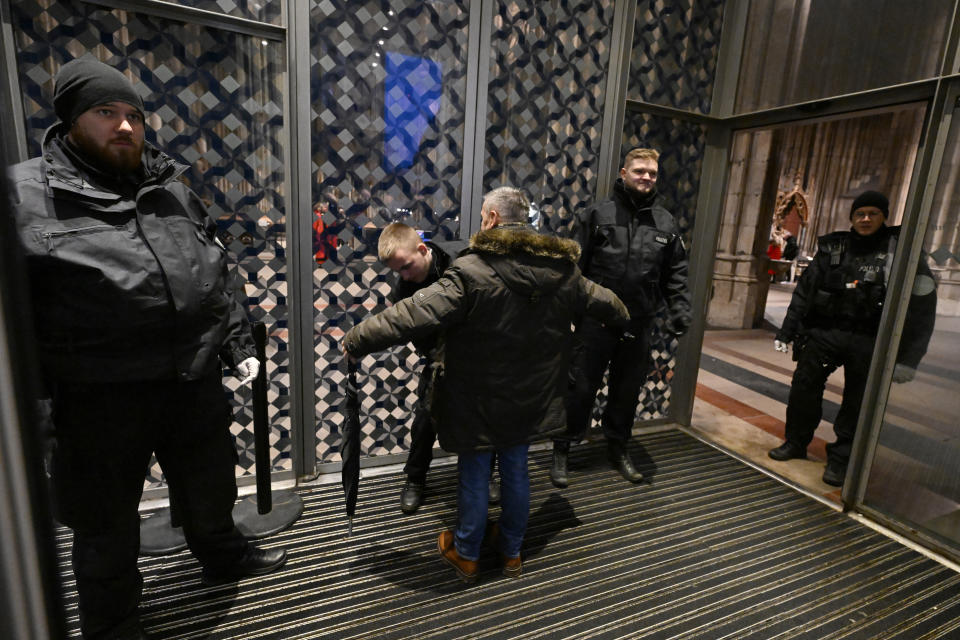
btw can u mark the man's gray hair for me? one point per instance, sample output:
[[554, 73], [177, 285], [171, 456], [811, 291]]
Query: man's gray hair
[[509, 202]]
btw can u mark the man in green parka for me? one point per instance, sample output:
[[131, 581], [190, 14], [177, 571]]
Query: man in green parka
[[503, 311]]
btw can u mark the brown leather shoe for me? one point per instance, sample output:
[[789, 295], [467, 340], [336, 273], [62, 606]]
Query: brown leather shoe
[[512, 567], [466, 569]]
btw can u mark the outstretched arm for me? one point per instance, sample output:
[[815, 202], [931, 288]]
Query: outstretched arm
[[603, 304], [425, 312]]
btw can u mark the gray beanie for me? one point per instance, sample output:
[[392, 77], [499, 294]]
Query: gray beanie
[[86, 82]]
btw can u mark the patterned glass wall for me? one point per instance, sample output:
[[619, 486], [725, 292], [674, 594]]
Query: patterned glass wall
[[261, 10], [214, 100], [545, 101], [675, 48], [387, 89], [681, 145]]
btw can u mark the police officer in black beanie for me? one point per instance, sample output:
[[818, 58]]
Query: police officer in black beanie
[[135, 317], [832, 322]]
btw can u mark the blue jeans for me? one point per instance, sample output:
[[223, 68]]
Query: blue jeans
[[472, 499]]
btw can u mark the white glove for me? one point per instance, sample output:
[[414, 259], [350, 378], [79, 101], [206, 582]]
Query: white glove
[[780, 346], [903, 373], [248, 370]]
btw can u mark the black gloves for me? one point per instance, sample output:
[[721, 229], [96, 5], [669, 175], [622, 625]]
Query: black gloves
[[678, 324]]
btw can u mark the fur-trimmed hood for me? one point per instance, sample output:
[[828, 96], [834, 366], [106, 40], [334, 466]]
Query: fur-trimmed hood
[[519, 237], [503, 310], [530, 264]]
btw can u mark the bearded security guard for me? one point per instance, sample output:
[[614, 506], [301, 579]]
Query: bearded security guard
[[832, 321], [135, 314]]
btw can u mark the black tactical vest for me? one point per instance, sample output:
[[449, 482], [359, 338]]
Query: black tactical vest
[[851, 292]]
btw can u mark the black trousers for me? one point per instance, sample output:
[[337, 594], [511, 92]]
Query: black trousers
[[596, 347], [105, 434], [824, 351], [423, 435]]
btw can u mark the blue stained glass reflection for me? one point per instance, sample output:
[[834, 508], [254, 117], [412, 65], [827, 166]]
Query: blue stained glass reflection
[[412, 92]]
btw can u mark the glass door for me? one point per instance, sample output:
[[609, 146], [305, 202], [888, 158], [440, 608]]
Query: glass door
[[914, 474]]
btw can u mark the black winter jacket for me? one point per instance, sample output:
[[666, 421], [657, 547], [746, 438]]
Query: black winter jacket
[[844, 287], [505, 310], [632, 245], [128, 282]]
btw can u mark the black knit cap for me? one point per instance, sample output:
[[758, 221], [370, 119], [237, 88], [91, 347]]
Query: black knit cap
[[871, 199], [86, 82]]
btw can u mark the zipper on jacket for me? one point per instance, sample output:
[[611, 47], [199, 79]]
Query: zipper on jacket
[[50, 236]]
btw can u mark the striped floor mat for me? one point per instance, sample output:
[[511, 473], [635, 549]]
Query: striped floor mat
[[705, 548]]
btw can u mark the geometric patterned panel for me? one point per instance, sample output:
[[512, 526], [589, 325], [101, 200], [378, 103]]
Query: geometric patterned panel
[[214, 101], [260, 10], [387, 90], [674, 57], [548, 74], [681, 145]]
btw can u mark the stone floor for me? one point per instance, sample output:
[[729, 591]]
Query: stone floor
[[750, 423], [741, 406]]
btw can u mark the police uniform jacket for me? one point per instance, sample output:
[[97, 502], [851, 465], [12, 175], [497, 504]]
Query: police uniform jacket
[[633, 246], [128, 279], [844, 288], [504, 310]]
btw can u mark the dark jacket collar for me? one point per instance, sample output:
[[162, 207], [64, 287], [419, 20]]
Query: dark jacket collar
[[876, 241], [65, 170], [633, 199]]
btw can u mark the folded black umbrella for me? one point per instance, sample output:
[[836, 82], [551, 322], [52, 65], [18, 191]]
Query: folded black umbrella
[[350, 446]]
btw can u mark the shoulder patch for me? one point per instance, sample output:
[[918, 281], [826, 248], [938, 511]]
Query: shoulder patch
[[924, 285]]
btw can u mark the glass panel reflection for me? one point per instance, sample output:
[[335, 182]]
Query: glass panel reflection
[[799, 51], [545, 97], [914, 474], [261, 10], [675, 49], [388, 87]]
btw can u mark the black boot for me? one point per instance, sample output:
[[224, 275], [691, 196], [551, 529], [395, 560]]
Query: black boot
[[558, 470], [620, 460], [835, 474], [787, 451], [411, 496]]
